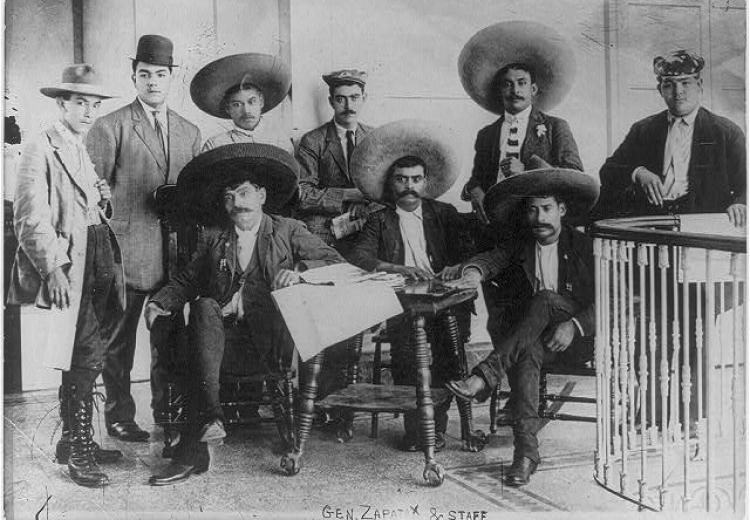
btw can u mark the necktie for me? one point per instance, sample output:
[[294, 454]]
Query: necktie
[[159, 132], [680, 148], [513, 145], [349, 146]]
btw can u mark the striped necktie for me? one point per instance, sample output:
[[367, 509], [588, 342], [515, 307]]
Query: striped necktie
[[679, 145], [513, 144]]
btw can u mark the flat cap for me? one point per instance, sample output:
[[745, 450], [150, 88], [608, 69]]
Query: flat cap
[[337, 77], [678, 63]]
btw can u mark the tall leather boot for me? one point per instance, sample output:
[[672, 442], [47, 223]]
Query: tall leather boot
[[62, 450], [82, 464]]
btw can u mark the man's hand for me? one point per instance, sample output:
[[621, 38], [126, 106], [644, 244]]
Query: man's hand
[[450, 272], [470, 279], [285, 278], [58, 286], [562, 337], [511, 166], [104, 192], [477, 204], [153, 310], [414, 273], [737, 214], [651, 185]]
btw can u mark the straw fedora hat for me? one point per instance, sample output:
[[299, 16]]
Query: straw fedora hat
[[80, 78], [268, 73], [381, 147], [202, 180], [534, 44]]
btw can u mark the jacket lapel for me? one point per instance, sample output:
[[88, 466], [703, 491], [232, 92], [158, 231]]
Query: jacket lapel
[[333, 145], [263, 244], [702, 140], [231, 250], [528, 261], [563, 257], [496, 130], [431, 233], [71, 164], [531, 140], [147, 134], [392, 233], [660, 141]]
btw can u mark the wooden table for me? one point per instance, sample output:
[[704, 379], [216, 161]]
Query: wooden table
[[421, 301]]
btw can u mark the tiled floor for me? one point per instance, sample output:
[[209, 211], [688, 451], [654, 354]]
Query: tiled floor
[[365, 478]]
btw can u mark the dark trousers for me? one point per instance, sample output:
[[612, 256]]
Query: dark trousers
[[522, 351], [118, 360], [99, 308], [445, 365]]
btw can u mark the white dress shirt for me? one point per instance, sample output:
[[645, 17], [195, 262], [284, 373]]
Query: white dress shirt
[[161, 114], [546, 267], [673, 159], [245, 246], [522, 119], [412, 233]]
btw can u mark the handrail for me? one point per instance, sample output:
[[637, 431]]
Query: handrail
[[641, 229]]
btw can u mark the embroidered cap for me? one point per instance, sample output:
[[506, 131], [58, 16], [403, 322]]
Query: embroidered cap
[[338, 77], [678, 63]]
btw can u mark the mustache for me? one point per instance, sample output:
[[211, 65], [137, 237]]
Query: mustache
[[541, 226], [407, 192], [349, 112]]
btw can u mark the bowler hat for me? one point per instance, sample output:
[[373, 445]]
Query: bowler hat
[[540, 47], [579, 190], [154, 49], [80, 78], [268, 73], [380, 148], [202, 180]]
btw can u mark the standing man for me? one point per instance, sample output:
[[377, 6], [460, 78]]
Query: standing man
[[682, 160], [69, 259], [137, 149], [407, 165], [242, 256], [243, 87], [554, 308]]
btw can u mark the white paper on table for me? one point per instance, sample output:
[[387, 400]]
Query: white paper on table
[[319, 316], [61, 333]]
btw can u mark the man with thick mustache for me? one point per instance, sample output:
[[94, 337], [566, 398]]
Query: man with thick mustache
[[553, 307], [137, 149], [682, 160], [406, 165]]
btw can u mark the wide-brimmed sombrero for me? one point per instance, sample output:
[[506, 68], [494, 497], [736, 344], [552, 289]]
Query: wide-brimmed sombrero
[[578, 190], [202, 180], [408, 137], [269, 73], [539, 46], [80, 78]]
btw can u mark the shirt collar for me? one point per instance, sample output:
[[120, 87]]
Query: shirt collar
[[341, 131], [249, 133], [689, 119], [249, 234], [523, 115], [161, 113], [68, 136], [417, 213]]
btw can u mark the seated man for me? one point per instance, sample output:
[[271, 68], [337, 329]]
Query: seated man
[[230, 278], [406, 165], [557, 305]]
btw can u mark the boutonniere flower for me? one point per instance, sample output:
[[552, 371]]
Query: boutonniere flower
[[541, 130]]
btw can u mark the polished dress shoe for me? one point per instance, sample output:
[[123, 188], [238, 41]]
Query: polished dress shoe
[[519, 473], [409, 443], [127, 431], [193, 461]]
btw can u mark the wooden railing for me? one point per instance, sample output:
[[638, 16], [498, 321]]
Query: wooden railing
[[670, 360]]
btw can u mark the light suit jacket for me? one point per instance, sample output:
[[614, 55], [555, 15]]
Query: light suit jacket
[[49, 214], [126, 151]]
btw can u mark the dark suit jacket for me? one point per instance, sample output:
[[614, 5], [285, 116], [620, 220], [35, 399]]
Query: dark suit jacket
[[716, 173], [126, 151], [380, 239], [323, 175], [514, 261], [213, 272], [556, 146]]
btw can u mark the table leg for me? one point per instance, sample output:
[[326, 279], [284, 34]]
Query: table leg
[[345, 430], [473, 441], [292, 462], [433, 471]]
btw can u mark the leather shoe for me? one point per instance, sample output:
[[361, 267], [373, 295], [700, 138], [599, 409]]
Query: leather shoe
[[127, 431], [461, 390], [519, 473], [101, 455], [409, 443], [194, 463]]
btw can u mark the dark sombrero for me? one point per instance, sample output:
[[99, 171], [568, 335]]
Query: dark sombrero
[[203, 179], [409, 137], [578, 190], [268, 73], [539, 46]]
